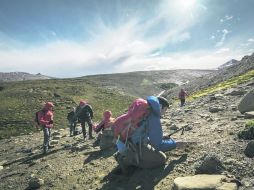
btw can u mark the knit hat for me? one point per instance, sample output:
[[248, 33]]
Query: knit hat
[[82, 102]]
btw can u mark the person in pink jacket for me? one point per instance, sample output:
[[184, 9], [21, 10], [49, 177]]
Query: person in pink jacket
[[46, 122]]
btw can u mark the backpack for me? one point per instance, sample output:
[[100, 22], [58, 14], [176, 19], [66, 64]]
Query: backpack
[[126, 124], [36, 119]]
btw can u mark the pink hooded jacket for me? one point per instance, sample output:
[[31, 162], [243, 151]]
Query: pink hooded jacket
[[105, 123], [46, 115]]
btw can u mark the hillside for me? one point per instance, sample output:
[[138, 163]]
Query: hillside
[[20, 101], [145, 83], [21, 76], [213, 123], [243, 66]]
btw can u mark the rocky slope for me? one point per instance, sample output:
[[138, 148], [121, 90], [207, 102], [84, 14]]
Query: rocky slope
[[212, 123], [246, 64]]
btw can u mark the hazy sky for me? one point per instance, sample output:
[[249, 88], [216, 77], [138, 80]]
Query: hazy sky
[[68, 38]]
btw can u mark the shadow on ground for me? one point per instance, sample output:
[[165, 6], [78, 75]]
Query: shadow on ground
[[140, 178]]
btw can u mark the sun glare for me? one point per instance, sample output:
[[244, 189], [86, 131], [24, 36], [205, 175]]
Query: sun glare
[[186, 4]]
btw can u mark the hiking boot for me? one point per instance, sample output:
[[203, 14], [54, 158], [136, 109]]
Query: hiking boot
[[51, 146], [119, 159]]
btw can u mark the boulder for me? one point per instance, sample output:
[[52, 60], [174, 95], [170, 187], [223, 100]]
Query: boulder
[[249, 151], [203, 182], [235, 92], [249, 115], [247, 104], [209, 164], [215, 109], [35, 183]]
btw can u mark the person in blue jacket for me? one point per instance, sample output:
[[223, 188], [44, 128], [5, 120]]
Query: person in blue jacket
[[158, 106]]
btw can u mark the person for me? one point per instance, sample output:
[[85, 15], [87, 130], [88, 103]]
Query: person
[[182, 95], [46, 122], [71, 117], [104, 128], [84, 113], [148, 152]]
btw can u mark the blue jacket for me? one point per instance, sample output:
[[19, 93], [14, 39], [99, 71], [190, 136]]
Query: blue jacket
[[154, 127]]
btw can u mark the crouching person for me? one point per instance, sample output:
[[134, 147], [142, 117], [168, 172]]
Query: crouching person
[[134, 148], [106, 134], [45, 117]]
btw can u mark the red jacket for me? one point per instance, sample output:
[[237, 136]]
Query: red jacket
[[46, 118], [182, 94]]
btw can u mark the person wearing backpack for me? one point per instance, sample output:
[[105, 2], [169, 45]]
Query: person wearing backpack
[[45, 118], [182, 95], [145, 146], [71, 117], [84, 113]]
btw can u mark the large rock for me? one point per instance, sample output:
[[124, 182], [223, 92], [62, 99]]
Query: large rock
[[247, 103], [215, 109], [249, 151], [249, 115], [209, 164], [203, 182], [235, 92], [35, 183]]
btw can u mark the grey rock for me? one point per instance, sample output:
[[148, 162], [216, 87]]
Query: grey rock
[[35, 182], [249, 151], [204, 182], [215, 109], [209, 164], [173, 127], [235, 92], [247, 104], [249, 115]]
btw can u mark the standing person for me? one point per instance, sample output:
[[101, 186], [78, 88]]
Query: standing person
[[45, 117], [84, 113], [71, 117], [182, 95]]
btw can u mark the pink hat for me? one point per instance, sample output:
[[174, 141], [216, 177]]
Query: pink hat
[[82, 102], [49, 105]]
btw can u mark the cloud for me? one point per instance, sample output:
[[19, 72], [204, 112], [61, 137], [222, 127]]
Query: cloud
[[212, 37], [223, 38], [250, 40], [226, 18]]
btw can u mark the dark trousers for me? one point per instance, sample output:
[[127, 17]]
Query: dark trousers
[[83, 125], [72, 128], [182, 102], [46, 132]]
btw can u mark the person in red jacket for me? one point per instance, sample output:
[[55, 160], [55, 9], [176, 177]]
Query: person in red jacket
[[46, 122], [182, 95]]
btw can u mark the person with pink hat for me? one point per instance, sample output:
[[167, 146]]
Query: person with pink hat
[[45, 117], [84, 113]]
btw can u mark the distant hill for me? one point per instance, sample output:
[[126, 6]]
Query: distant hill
[[21, 76], [144, 83], [230, 63], [246, 64]]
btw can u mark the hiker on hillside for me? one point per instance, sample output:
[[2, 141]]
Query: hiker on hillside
[[104, 128], [45, 118], [182, 95], [145, 146], [84, 114], [71, 117]]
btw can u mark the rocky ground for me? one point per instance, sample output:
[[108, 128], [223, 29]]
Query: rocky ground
[[212, 123]]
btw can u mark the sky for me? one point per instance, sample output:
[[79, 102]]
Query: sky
[[71, 38]]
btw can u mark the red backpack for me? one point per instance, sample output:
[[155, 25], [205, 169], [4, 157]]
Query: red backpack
[[126, 124]]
